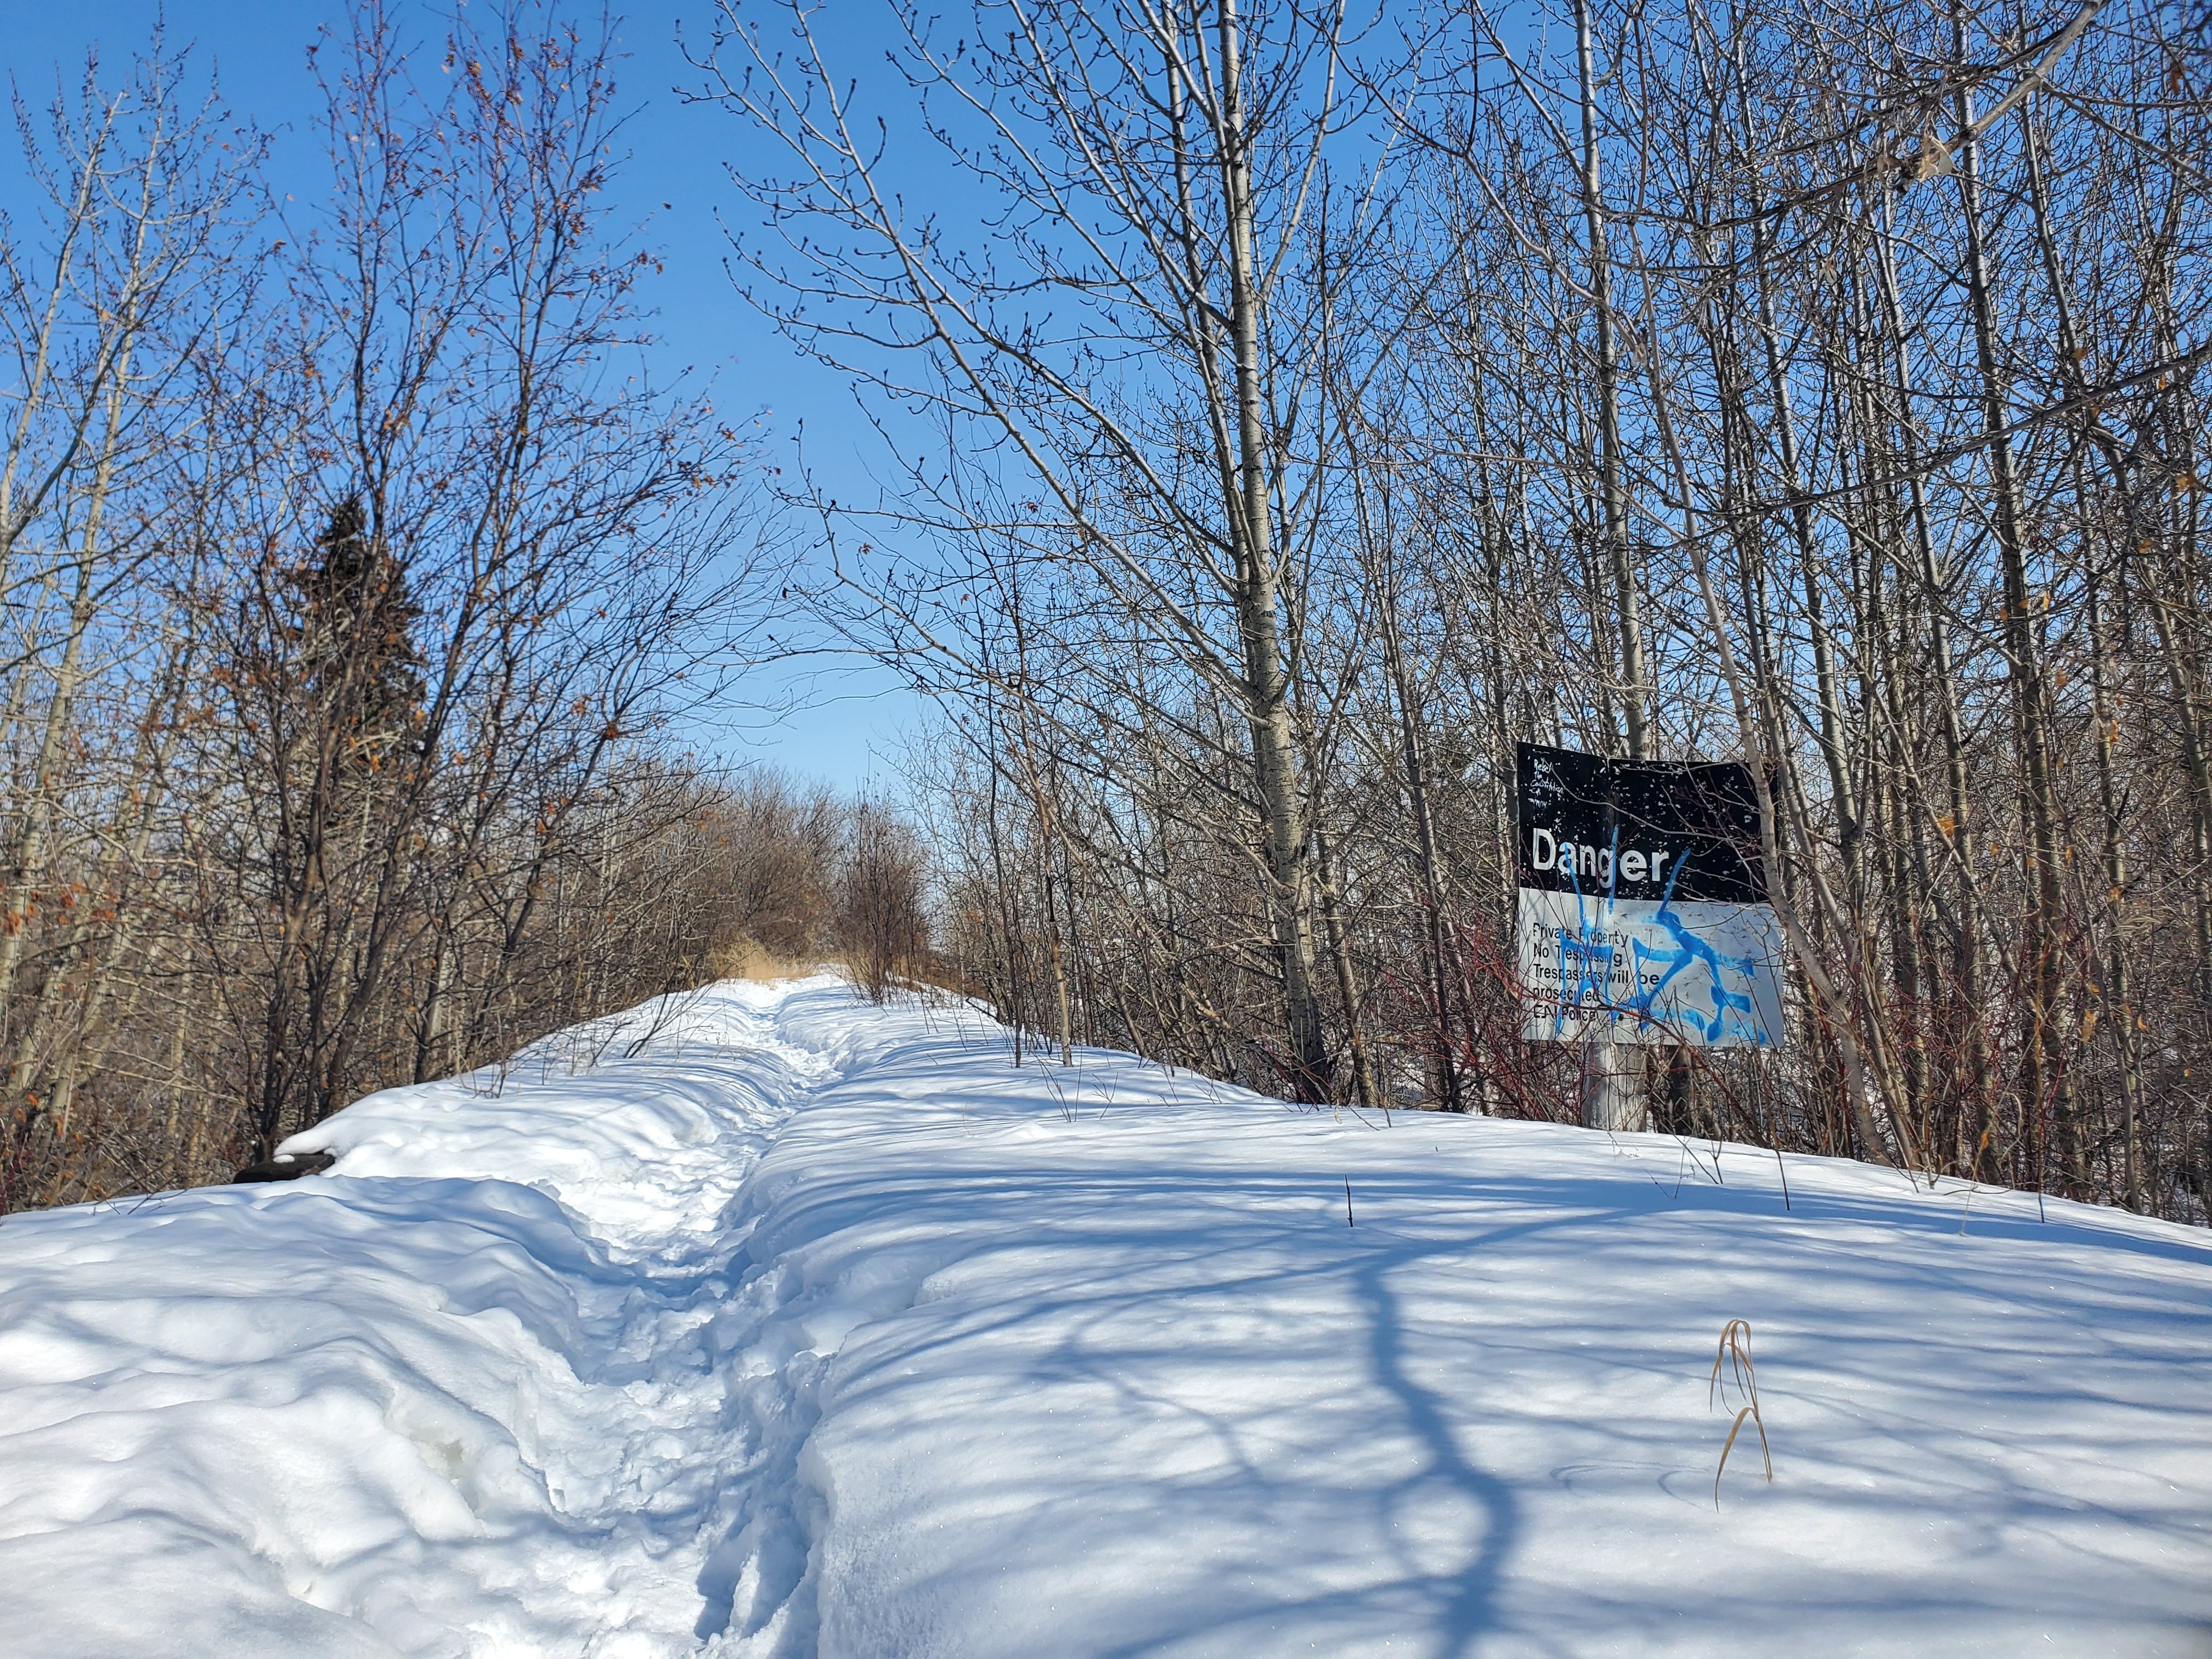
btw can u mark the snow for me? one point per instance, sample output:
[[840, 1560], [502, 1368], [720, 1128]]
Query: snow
[[763, 1322]]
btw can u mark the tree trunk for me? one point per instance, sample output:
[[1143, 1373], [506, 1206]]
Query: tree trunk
[[2043, 1062], [1265, 683], [1613, 1095]]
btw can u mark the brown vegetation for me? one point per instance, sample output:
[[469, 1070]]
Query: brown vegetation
[[349, 600], [1322, 408]]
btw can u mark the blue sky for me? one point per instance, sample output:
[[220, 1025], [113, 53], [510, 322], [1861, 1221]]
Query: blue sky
[[678, 156]]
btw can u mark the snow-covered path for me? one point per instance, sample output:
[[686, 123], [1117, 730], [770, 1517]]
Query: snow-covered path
[[461, 1397], [816, 1329]]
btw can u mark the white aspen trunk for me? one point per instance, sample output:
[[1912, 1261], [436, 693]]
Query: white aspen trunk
[[1266, 687], [1614, 1094]]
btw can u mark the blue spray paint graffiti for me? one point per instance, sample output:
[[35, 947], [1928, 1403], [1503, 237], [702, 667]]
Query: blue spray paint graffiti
[[1657, 1004]]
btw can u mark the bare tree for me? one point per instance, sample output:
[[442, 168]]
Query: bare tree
[[1128, 371]]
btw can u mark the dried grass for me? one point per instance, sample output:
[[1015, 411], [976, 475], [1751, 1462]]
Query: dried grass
[[1732, 1364], [747, 958]]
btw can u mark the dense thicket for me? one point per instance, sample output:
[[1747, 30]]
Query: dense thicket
[[1315, 411], [353, 572]]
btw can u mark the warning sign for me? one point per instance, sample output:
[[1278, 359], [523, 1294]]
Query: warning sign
[[1643, 912]]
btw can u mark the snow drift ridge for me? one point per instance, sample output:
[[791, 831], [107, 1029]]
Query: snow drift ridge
[[813, 1328]]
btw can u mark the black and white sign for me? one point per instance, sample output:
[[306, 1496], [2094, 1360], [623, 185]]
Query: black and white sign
[[1644, 913]]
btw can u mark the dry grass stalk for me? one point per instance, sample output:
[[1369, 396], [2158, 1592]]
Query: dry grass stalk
[[745, 957], [1735, 1354]]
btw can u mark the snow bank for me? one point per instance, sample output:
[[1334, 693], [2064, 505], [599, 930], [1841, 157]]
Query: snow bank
[[459, 1396], [1149, 1393], [815, 1330]]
